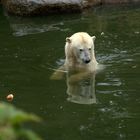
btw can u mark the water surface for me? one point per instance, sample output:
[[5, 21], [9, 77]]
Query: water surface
[[31, 47]]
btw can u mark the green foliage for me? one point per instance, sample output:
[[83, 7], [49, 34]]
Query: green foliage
[[11, 123]]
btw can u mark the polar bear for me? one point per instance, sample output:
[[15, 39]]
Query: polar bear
[[80, 56]]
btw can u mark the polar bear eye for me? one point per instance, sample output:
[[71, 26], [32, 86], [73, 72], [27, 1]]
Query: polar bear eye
[[81, 50], [89, 49]]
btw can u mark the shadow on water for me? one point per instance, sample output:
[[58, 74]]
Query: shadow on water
[[31, 46]]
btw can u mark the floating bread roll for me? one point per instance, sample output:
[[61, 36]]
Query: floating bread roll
[[10, 97]]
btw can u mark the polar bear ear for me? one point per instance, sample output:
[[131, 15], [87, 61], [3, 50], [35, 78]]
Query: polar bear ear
[[93, 37], [68, 40]]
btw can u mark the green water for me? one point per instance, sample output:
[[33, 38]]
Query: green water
[[31, 47]]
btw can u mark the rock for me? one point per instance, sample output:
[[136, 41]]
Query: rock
[[43, 7]]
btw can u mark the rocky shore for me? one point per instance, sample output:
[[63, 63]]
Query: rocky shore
[[44, 7]]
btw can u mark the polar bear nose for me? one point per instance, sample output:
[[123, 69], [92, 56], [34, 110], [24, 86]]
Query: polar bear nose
[[87, 61]]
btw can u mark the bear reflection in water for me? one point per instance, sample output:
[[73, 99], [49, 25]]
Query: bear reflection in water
[[81, 88], [80, 85]]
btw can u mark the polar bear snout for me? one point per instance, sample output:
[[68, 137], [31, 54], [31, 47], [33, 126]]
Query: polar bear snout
[[85, 56], [87, 61]]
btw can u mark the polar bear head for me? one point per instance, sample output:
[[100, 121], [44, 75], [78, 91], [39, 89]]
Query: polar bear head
[[79, 48]]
